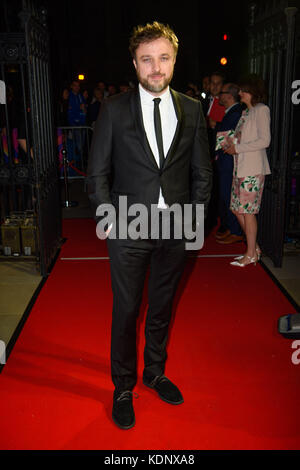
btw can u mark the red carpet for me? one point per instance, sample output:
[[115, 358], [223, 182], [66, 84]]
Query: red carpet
[[82, 242], [240, 386]]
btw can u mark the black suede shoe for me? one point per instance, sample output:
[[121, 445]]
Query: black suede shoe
[[166, 390], [123, 413]]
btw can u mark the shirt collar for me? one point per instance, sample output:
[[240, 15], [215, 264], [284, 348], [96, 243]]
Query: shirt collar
[[147, 98]]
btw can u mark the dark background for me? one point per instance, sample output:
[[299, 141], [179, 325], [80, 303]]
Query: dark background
[[91, 37]]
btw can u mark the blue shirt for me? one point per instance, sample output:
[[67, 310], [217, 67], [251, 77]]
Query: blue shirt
[[76, 116]]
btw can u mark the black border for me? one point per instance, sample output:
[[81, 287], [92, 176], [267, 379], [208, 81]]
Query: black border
[[198, 455]]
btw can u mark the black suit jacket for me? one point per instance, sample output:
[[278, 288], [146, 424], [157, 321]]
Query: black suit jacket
[[121, 161]]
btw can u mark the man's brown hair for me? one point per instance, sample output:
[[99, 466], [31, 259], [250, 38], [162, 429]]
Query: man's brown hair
[[149, 33]]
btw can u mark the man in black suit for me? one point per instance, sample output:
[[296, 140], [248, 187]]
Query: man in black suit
[[229, 230], [150, 145], [216, 80]]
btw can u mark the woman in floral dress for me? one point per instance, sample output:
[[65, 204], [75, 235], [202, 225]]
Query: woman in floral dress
[[250, 164]]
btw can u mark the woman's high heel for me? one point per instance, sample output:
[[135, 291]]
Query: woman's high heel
[[242, 265], [258, 253]]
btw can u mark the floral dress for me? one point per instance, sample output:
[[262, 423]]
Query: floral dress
[[246, 192]]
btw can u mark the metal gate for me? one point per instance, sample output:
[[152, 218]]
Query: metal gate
[[28, 167], [272, 56]]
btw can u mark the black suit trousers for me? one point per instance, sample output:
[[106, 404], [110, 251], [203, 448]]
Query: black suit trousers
[[129, 264]]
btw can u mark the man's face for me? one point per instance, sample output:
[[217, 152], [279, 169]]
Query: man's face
[[206, 84], [216, 83], [225, 97], [101, 85], [66, 94], [75, 87], [98, 93], [154, 63]]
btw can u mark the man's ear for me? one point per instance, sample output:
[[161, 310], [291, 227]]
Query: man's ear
[[134, 63]]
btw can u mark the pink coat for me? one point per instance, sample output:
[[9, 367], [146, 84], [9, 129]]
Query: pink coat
[[255, 139]]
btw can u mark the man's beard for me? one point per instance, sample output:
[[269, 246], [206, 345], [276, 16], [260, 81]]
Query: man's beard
[[152, 87]]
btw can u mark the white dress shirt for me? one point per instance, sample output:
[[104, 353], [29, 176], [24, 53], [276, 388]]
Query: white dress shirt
[[168, 123], [211, 100]]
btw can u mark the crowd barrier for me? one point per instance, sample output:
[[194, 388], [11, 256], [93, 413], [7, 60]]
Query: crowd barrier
[[73, 150], [17, 171], [73, 144]]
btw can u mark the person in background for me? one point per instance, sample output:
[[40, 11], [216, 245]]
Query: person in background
[[112, 89], [206, 84], [205, 94], [102, 86], [190, 92], [229, 230], [63, 107], [215, 111], [214, 114], [196, 91], [94, 107], [250, 163], [124, 87], [77, 106], [76, 118], [85, 95]]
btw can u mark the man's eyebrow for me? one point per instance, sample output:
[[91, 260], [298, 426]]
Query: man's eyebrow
[[164, 54]]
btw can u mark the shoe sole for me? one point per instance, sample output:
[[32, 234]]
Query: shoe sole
[[164, 399], [220, 237], [123, 427]]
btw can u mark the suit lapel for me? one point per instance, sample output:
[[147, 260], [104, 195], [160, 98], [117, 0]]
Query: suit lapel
[[179, 127], [233, 109], [136, 109]]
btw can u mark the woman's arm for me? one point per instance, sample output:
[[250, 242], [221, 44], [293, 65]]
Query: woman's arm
[[263, 130]]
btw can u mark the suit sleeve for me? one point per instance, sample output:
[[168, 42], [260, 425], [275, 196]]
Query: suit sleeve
[[99, 166], [229, 122], [263, 133], [201, 167]]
